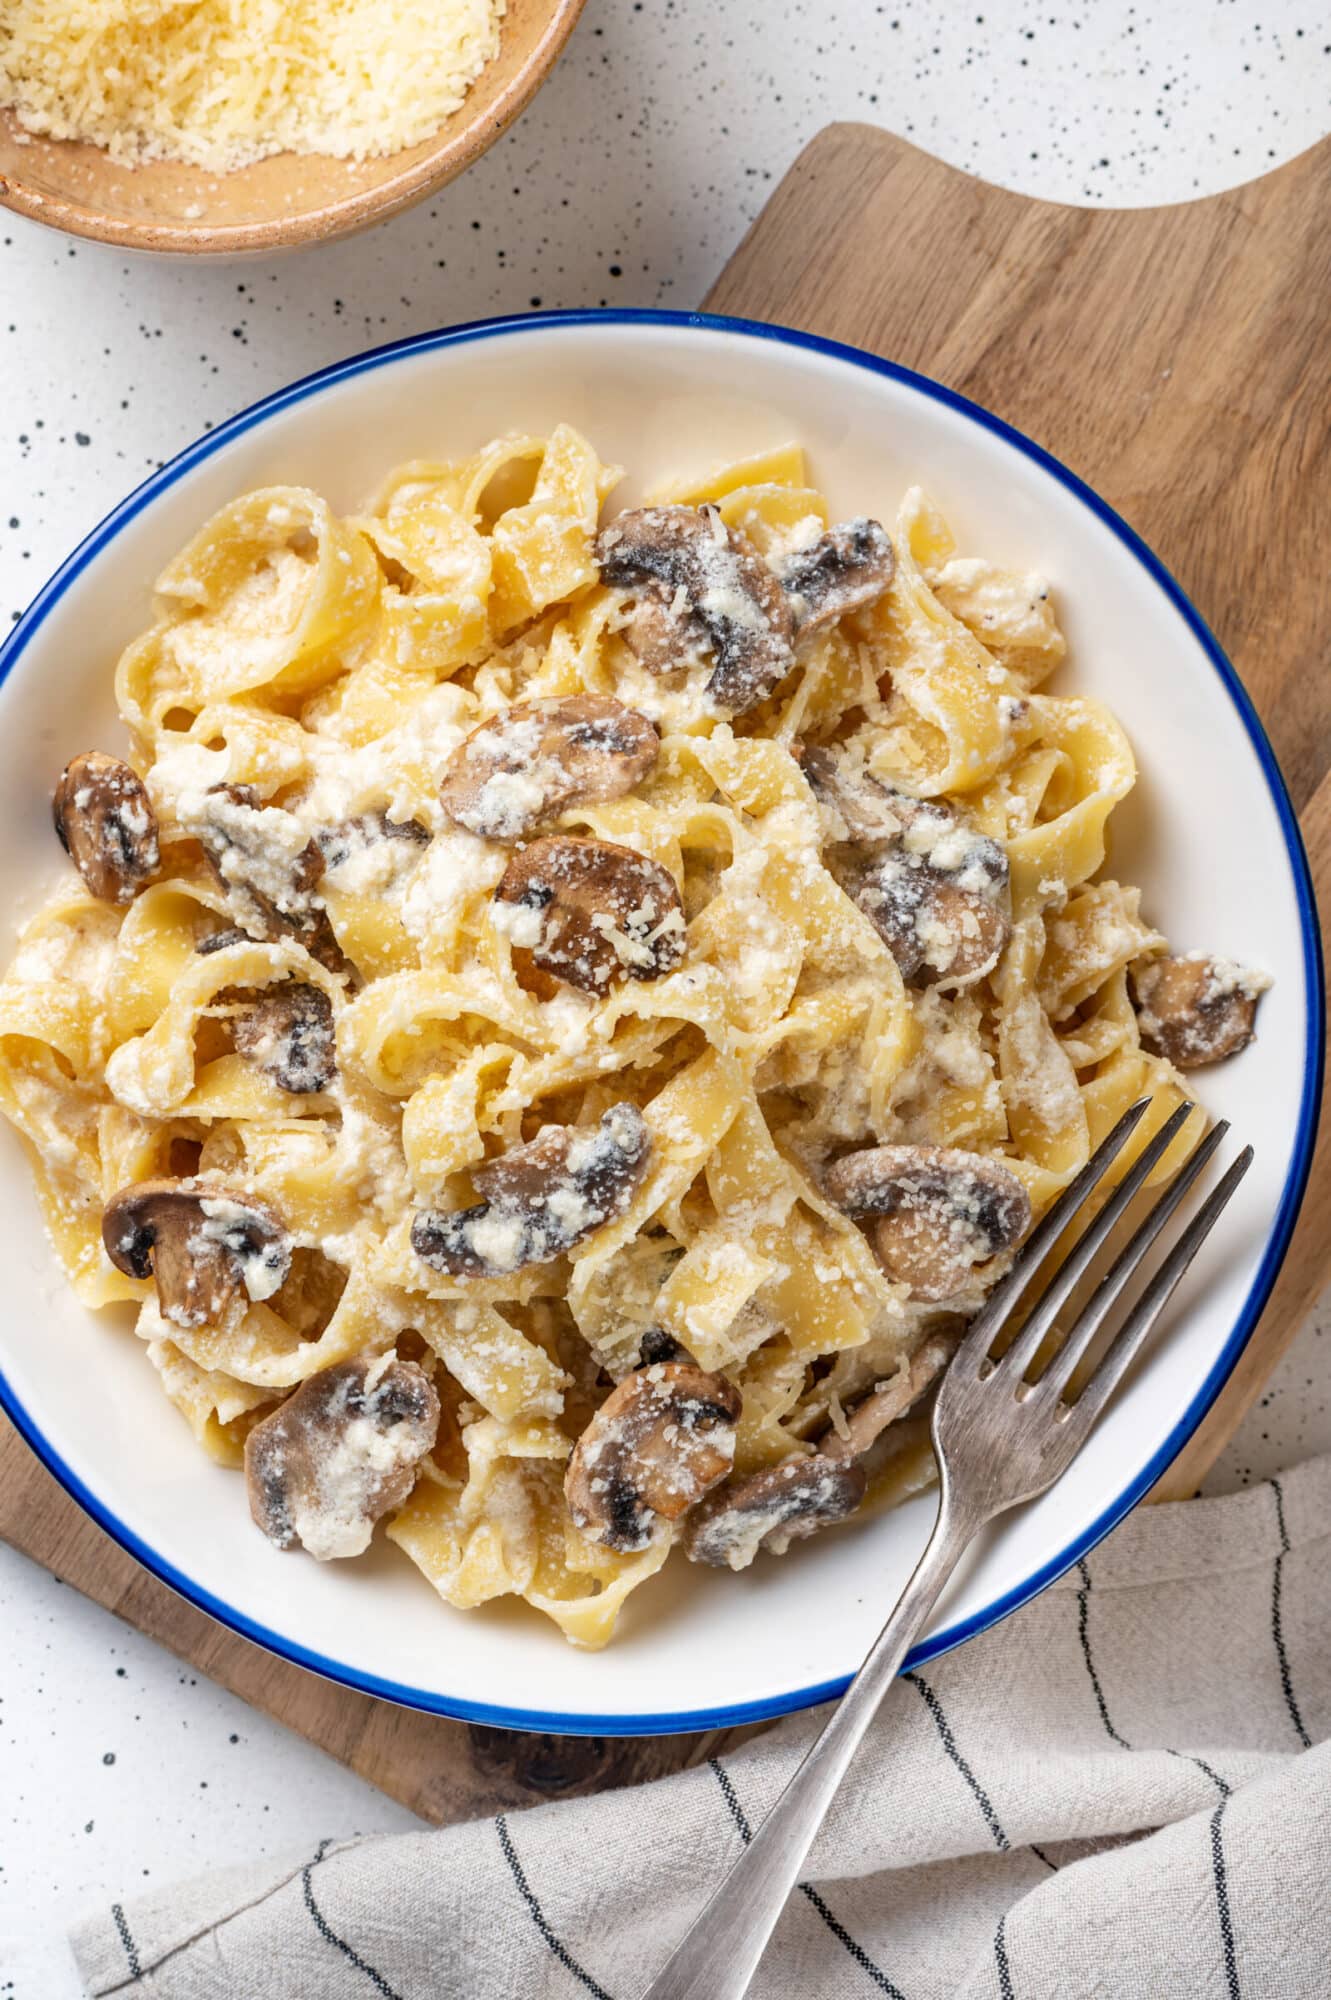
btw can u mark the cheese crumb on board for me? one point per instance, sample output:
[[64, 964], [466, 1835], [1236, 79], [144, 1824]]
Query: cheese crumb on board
[[222, 83]]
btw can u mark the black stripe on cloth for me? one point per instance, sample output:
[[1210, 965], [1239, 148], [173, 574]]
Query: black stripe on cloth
[[1226, 1792], [1224, 1789], [857, 1951], [1084, 1631], [557, 1946], [1083, 1620], [330, 1936], [1277, 1629], [1222, 1903], [834, 1924], [135, 1969], [1005, 1986], [731, 1797], [949, 1742], [1220, 1784]]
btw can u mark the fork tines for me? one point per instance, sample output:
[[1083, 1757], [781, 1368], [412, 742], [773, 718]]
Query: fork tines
[[973, 1355]]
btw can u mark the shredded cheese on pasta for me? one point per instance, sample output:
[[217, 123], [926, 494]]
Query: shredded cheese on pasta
[[335, 665]]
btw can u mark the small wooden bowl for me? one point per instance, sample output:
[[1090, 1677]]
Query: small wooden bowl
[[291, 199]]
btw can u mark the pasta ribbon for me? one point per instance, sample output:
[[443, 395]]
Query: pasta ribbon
[[327, 670], [268, 595]]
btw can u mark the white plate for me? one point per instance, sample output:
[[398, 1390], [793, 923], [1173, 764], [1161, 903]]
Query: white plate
[[1208, 832]]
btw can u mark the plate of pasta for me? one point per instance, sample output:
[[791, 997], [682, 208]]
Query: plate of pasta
[[612, 865]]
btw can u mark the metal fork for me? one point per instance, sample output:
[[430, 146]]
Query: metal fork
[[1000, 1439]]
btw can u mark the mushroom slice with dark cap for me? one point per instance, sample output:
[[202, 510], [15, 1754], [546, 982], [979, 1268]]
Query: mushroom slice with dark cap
[[938, 1213], [658, 1443], [370, 851], [866, 808], [944, 926], [785, 1503], [340, 1453], [267, 866], [658, 1345], [700, 576], [889, 1400], [773, 1508], [588, 913], [934, 888], [541, 1199], [533, 762], [287, 1032], [1196, 1010], [107, 826], [661, 631], [207, 1247], [221, 940], [844, 570]]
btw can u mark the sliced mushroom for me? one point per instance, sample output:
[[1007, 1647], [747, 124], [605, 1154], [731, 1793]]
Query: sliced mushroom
[[773, 1508], [371, 850], [588, 913], [206, 1246], [864, 808], [658, 1443], [287, 1032], [540, 1199], [935, 890], [221, 940], [267, 866], [533, 762], [888, 1401], [1196, 1010], [938, 1213], [846, 569], [658, 1345], [696, 573], [662, 632], [943, 927], [340, 1453], [311, 1292], [107, 826]]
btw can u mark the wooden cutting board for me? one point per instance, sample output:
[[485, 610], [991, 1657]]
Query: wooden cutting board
[[1176, 358]]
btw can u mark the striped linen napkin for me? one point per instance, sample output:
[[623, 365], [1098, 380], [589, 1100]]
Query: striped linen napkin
[[1118, 1794]]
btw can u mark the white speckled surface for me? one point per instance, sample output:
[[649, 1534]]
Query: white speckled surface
[[629, 181]]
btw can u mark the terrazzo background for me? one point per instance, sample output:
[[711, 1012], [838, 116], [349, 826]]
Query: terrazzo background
[[628, 182]]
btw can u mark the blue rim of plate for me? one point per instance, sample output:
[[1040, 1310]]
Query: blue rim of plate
[[1301, 1157]]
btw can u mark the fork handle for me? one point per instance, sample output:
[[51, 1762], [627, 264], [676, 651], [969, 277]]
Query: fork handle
[[717, 1957]]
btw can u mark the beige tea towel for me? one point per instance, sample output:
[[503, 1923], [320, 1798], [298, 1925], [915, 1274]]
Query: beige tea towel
[[1122, 1793]]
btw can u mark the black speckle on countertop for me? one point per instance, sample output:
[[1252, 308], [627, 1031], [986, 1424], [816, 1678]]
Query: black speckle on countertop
[[116, 1768], [1291, 1420]]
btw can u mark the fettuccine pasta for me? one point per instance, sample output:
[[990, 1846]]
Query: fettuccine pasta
[[563, 1020]]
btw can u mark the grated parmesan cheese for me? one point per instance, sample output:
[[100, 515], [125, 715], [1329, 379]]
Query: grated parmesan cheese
[[222, 83]]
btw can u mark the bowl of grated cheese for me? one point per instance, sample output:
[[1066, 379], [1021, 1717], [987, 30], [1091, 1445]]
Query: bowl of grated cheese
[[224, 129]]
